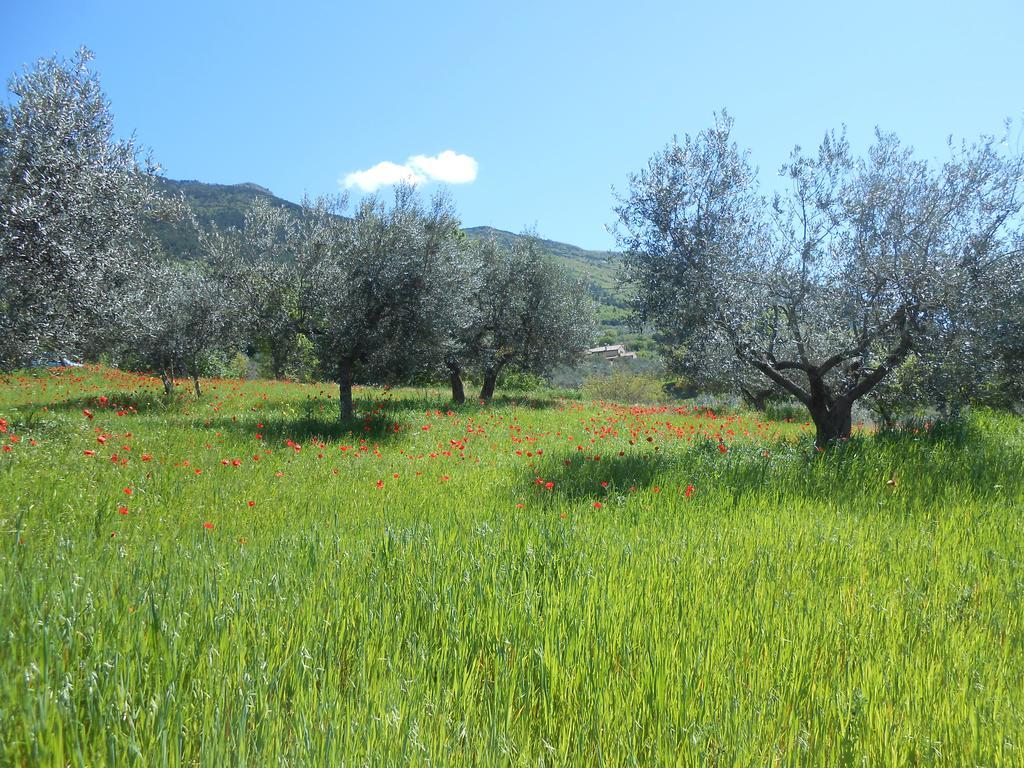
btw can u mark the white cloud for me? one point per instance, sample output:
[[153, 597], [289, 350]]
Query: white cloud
[[448, 166], [381, 175]]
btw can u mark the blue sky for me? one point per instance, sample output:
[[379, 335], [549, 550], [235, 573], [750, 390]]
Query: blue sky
[[555, 102]]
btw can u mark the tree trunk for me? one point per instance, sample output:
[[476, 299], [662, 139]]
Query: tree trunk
[[194, 373], [458, 391], [757, 398], [168, 379], [345, 389], [832, 423], [490, 380]]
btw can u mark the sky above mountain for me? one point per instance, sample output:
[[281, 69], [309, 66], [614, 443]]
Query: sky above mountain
[[529, 113]]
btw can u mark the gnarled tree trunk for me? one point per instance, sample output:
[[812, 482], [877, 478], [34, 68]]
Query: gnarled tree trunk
[[832, 422]]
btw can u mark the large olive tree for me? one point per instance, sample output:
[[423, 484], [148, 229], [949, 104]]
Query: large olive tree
[[73, 200], [828, 287]]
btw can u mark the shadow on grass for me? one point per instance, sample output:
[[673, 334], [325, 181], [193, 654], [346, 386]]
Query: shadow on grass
[[576, 478], [140, 401]]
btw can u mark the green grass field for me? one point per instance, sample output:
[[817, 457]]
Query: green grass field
[[239, 581]]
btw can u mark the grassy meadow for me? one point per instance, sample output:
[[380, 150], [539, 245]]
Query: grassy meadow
[[540, 582]]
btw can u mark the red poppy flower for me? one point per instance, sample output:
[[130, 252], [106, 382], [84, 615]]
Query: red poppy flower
[[689, 491], [122, 510], [251, 503], [127, 491], [597, 505], [146, 457], [380, 483], [208, 525]]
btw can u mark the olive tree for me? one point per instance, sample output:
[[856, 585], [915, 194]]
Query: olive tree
[[375, 292], [266, 280], [73, 200], [184, 314], [528, 315], [828, 287]]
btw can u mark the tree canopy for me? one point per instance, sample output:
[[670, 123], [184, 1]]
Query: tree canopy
[[73, 200], [829, 287]]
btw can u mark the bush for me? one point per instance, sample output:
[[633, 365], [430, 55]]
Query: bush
[[624, 387]]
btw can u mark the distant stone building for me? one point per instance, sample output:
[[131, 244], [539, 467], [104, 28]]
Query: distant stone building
[[612, 353]]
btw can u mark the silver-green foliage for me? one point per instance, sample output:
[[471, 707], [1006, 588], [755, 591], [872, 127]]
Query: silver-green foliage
[[528, 314], [379, 294], [72, 202], [829, 287]]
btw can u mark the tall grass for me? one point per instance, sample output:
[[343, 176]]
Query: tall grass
[[860, 606]]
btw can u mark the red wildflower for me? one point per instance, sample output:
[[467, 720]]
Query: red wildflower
[[380, 483], [89, 453], [122, 510], [146, 457], [208, 525], [127, 491], [251, 503], [689, 491], [549, 485], [597, 505]]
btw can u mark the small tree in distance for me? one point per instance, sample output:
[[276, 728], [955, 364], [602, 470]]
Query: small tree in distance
[[529, 315], [827, 289], [375, 293]]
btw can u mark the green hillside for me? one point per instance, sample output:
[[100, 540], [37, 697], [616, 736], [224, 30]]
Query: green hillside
[[225, 204]]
